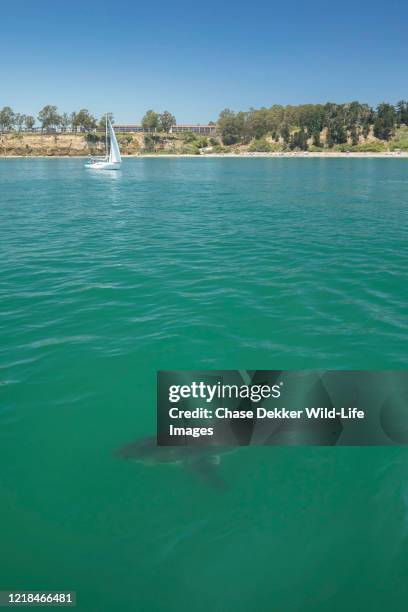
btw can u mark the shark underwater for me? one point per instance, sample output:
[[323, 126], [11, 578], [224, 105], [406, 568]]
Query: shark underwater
[[203, 462]]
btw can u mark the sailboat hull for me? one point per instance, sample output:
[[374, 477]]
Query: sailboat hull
[[102, 165]]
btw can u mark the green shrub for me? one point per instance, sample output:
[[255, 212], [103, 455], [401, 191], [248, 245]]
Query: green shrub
[[260, 145], [370, 147], [202, 142], [190, 149], [125, 138], [344, 148], [400, 141], [152, 142], [218, 148], [94, 138], [189, 137]]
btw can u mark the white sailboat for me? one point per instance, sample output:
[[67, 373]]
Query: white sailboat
[[112, 160]]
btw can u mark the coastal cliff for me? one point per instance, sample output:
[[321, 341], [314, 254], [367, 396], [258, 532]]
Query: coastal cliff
[[35, 144], [70, 144]]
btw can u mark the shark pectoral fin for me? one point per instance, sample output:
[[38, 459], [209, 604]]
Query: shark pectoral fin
[[206, 470]]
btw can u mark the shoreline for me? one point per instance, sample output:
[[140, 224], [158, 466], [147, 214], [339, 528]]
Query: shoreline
[[291, 154]]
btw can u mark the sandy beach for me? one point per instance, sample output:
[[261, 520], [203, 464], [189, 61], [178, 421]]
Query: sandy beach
[[286, 154], [291, 154]]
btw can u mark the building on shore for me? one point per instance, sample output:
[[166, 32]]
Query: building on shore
[[205, 130]]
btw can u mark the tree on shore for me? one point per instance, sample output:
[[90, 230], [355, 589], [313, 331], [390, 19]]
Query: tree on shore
[[327, 124], [65, 120], [336, 133], [316, 138], [49, 117], [385, 121], [29, 122], [84, 120], [161, 122], [354, 136], [6, 118], [255, 125], [229, 127], [298, 141], [150, 120], [102, 120], [19, 120], [285, 133], [342, 123], [402, 112], [166, 120]]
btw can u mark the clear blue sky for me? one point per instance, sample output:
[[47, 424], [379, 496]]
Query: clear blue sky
[[196, 58]]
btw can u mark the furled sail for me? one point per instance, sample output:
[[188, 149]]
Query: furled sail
[[114, 153]]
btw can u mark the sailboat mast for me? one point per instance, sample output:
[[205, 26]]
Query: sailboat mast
[[106, 135]]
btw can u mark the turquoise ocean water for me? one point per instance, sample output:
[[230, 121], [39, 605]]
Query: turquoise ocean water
[[182, 264]]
